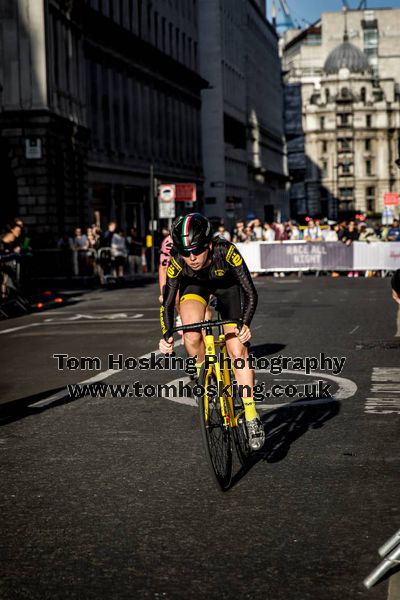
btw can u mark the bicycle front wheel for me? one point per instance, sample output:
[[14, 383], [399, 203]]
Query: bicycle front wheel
[[216, 434], [240, 431]]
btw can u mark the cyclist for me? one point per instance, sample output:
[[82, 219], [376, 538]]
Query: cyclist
[[202, 265]]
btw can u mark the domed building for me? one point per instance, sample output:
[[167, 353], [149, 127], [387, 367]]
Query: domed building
[[350, 117], [347, 56]]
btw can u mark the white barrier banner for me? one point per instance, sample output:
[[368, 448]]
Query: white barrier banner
[[320, 256], [372, 256]]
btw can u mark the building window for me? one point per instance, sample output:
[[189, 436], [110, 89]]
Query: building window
[[140, 14], [327, 96], [184, 48], [371, 41], [322, 122], [149, 22], [368, 145], [324, 169], [190, 52], [177, 53], [171, 39], [370, 199], [368, 120], [156, 28], [363, 94], [344, 120], [163, 23], [344, 145], [324, 146], [368, 167], [346, 168], [346, 193], [313, 39]]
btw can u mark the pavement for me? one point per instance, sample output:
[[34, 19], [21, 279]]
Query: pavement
[[112, 497]]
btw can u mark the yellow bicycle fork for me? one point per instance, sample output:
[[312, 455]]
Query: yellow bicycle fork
[[223, 377]]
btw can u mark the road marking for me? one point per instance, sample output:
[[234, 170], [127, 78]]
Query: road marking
[[62, 311], [385, 383], [353, 330], [394, 587], [99, 377], [18, 328], [346, 389], [112, 317]]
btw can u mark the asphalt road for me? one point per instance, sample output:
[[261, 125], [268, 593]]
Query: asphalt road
[[111, 498]]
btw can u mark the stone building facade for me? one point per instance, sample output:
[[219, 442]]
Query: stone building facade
[[242, 111], [342, 92], [92, 93]]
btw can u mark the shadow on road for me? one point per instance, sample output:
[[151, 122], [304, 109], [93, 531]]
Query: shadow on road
[[284, 426], [19, 409], [266, 349]]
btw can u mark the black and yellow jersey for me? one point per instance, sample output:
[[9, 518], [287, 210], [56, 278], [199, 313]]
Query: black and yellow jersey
[[227, 269]]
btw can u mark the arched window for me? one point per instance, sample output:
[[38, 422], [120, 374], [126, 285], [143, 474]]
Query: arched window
[[327, 95], [344, 92]]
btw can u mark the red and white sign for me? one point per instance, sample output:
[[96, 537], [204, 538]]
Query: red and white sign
[[391, 199], [185, 192], [167, 192]]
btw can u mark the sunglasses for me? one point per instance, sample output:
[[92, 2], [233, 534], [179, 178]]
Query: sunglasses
[[195, 251]]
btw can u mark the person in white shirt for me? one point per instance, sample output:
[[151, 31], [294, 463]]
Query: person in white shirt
[[268, 233], [221, 232], [330, 235]]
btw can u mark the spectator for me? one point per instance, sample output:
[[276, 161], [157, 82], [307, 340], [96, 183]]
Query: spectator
[[393, 234], [292, 231], [280, 232], [221, 232], [250, 235], [80, 248], [351, 234], [330, 235], [239, 234], [9, 244], [367, 234], [269, 233], [312, 232], [119, 252], [136, 250], [107, 237], [11, 240], [255, 224], [342, 230]]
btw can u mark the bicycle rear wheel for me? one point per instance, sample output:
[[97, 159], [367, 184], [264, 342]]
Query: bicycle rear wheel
[[216, 435]]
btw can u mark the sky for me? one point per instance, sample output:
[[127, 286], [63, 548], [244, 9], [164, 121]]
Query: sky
[[310, 10]]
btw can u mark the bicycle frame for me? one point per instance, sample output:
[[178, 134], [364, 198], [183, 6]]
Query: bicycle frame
[[223, 376]]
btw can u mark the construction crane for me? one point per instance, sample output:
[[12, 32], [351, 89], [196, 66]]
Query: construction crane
[[287, 22]]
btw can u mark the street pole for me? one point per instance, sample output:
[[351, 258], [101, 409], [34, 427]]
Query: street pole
[[152, 265]]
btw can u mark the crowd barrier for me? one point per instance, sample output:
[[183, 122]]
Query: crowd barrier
[[263, 257]]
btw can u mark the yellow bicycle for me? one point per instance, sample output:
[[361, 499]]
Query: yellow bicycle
[[222, 419]]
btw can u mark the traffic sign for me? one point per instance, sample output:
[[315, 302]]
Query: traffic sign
[[391, 199], [185, 192], [166, 192]]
